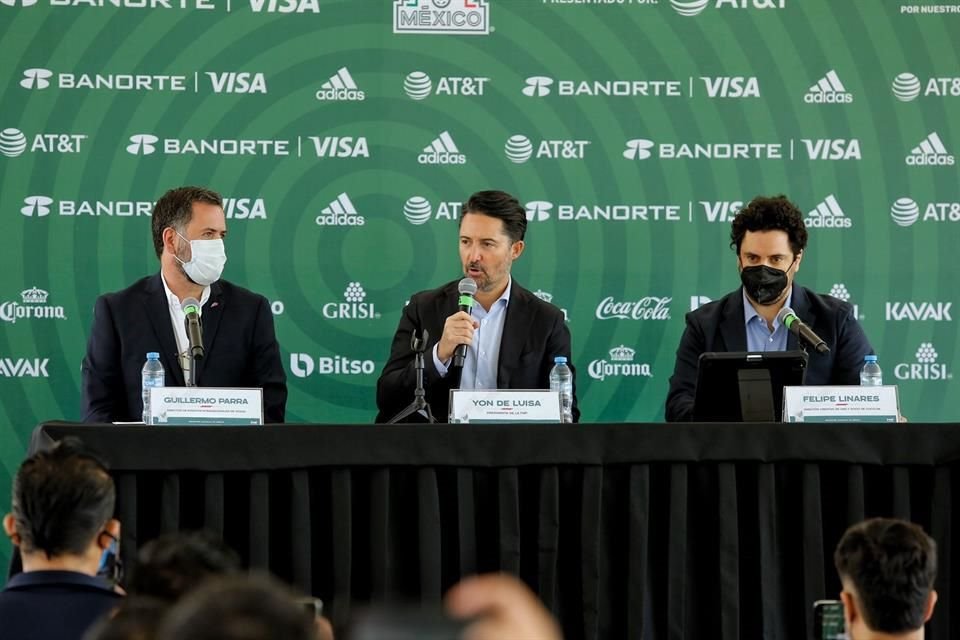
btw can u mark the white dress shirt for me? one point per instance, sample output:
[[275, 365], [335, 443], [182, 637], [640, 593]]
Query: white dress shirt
[[178, 318]]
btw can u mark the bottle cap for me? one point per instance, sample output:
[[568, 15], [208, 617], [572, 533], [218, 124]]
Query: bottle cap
[[870, 358], [153, 355], [560, 360]]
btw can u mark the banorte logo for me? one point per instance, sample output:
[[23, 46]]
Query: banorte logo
[[417, 210], [32, 305], [620, 365], [537, 86], [22, 3], [453, 17], [906, 87], [12, 142], [353, 307], [302, 365], [639, 149], [417, 85], [538, 211], [36, 78], [648, 308], [925, 367], [38, 206], [143, 144]]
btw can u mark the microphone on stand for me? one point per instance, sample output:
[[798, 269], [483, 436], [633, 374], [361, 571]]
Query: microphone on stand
[[191, 309], [467, 288], [799, 328]]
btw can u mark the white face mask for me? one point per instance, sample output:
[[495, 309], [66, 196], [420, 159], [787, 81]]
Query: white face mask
[[207, 258]]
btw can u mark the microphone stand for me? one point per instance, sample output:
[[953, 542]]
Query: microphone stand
[[418, 346], [190, 380]]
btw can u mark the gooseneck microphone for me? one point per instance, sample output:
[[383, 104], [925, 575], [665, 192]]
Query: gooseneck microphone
[[799, 328], [467, 288], [191, 309]]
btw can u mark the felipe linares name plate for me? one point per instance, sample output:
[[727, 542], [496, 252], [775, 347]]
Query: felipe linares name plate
[[504, 405], [841, 404], [205, 406]]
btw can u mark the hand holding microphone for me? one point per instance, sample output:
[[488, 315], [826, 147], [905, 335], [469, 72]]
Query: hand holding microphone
[[797, 327], [459, 328]]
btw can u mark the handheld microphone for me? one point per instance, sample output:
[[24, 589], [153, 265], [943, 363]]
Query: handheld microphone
[[191, 309], [467, 288], [799, 328]]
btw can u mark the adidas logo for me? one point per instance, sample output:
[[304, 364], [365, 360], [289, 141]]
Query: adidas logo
[[828, 215], [829, 90], [930, 152], [36, 78], [638, 149], [340, 213], [443, 150], [340, 86]]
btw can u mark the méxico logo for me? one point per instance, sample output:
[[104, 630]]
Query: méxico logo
[[930, 152], [354, 306], [828, 215], [828, 90], [451, 17], [443, 150], [620, 365], [340, 86], [925, 366], [340, 213], [32, 305]]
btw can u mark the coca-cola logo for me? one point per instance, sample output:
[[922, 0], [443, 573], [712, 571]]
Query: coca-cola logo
[[649, 308]]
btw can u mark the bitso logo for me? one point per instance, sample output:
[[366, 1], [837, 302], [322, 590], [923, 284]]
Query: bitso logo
[[340, 86], [620, 365], [417, 210], [38, 206], [24, 367], [142, 144], [930, 152], [840, 292], [32, 305], [689, 8], [829, 90], [905, 212], [354, 306], [36, 78], [443, 150], [454, 17], [537, 86], [12, 142], [919, 311], [340, 213], [520, 149], [638, 149], [302, 365], [906, 87], [538, 211], [698, 301], [925, 367], [648, 308], [828, 215], [417, 85]]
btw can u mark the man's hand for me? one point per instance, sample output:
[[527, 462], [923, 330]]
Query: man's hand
[[458, 329], [503, 607]]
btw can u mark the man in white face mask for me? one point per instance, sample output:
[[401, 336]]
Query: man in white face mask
[[240, 346]]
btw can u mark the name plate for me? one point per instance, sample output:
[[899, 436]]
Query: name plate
[[489, 406], [841, 404], [202, 406]]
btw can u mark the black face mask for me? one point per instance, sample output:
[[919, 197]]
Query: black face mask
[[762, 283]]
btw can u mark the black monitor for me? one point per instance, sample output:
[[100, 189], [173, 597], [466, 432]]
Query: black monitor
[[745, 387]]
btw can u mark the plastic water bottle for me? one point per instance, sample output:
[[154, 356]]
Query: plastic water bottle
[[150, 376], [870, 375], [561, 379]]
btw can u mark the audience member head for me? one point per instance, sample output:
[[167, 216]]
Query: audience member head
[[62, 508], [137, 618], [887, 568], [176, 563], [239, 608]]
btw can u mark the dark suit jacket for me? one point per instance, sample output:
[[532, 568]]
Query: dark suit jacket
[[240, 348], [534, 332], [719, 326], [39, 605]]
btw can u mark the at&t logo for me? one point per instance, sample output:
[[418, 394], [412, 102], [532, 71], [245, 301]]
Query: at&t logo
[[907, 87], [418, 210], [925, 367], [690, 8], [302, 366], [519, 149], [418, 85], [14, 143], [455, 17], [620, 365], [353, 307], [906, 212]]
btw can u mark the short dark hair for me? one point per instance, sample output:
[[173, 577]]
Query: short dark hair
[[770, 214], [892, 565], [136, 618], [239, 608], [175, 563], [62, 498], [174, 209], [501, 205]]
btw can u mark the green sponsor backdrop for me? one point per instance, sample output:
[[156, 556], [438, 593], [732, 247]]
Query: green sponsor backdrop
[[629, 112]]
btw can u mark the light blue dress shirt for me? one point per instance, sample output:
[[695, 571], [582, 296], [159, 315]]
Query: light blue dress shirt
[[483, 356], [759, 336]]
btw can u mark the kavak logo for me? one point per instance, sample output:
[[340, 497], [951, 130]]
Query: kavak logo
[[354, 307], [519, 149], [32, 305], [451, 17], [36, 78], [828, 215], [38, 206], [926, 366], [14, 143], [620, 365], [417, 210], [538, 86], [443, 150], [828, 90], [919, 311], [538, 211], [930, 152], [341, 86], [143, 144], [24, 367], [302, 365], [340, 213]]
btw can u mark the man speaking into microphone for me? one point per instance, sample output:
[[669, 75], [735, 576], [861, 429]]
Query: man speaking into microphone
[[769, 312], [205, 329], [485, 330]]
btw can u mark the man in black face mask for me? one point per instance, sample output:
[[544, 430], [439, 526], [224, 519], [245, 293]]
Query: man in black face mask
[[769, 237]]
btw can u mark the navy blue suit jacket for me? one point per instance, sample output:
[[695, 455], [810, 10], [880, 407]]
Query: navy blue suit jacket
[[39, 605], [719, 326], [240, 347], [534, 332]]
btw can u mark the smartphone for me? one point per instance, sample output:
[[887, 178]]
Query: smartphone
[[828, 621], [111, 569], [406, 623], [313, 606]]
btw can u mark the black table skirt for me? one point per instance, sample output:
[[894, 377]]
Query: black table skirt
[[640, 531]]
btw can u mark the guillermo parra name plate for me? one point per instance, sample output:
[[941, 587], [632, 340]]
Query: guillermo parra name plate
[[202, 406]]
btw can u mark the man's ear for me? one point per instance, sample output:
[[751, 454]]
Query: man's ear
[[10, 528], [113, 528], [850, 612], [516, 249], [931, 602]]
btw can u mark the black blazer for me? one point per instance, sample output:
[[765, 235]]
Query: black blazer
[[719, 326], [534, 332], [239, 342]]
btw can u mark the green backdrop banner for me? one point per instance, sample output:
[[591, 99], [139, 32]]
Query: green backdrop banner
[[345, 133]]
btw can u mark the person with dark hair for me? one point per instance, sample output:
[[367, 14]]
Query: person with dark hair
[[137, 618], [61, 521], [175, 563], [769, 238], [239, 341], [512, 336], [887, 568]]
